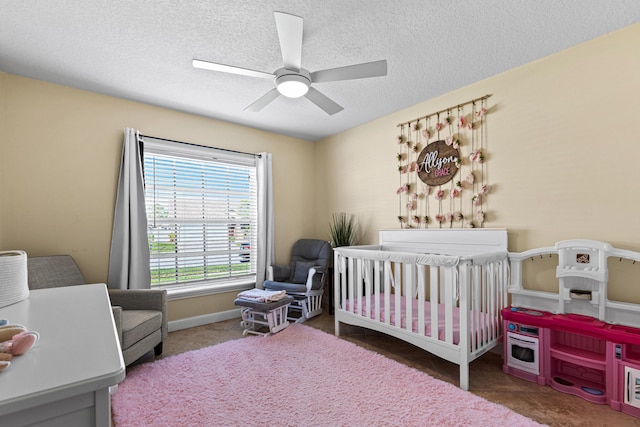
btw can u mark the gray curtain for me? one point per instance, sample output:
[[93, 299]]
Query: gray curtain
[[265, 217], [129, 255]]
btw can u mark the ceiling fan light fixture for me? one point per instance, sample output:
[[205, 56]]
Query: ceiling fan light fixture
[[292, 85], [293, 81]]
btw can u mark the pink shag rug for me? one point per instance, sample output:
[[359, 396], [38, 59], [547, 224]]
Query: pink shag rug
[[299, 376]]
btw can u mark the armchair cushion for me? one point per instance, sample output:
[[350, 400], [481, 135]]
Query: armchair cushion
[[137, 324], [144, 316], [301, 271], [290, 288]]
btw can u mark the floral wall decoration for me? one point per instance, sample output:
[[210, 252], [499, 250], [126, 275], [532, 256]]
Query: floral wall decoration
[[442, 168]]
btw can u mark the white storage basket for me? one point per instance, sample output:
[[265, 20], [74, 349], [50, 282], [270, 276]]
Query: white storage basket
[[14, 284]]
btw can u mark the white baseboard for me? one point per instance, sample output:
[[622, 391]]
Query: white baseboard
[[205, 319]]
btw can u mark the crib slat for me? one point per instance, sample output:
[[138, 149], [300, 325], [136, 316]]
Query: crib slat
[[447, 277], [466, 347], [387, 292], [477, 285], [502, 295], [397, 274], [421, 298], [367, 285], [350, 292], [494, 300], [490, 300], [434, 297], [338, 302], [359, 287], [488, 318], [477, 294], [342, 280], [408, 280], [495, 273], [475, 306], [485, 304], [376, 285], [504, 284], [471, 305]]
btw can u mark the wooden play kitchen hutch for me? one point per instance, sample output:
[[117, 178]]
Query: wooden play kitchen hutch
[[576, 341]]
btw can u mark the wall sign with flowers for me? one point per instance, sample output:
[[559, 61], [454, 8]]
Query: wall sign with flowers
[[442, 168]]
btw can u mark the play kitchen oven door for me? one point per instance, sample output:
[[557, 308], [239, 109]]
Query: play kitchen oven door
[[523, 350], [632, 386]]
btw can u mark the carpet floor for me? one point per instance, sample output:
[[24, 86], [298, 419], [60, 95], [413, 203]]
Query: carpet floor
[[300, 376]]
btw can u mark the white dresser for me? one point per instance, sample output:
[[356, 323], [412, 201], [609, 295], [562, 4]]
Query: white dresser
[[64, 379]]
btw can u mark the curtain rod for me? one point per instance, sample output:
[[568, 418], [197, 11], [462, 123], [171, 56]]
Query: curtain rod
[[482, 98], [203, 146]]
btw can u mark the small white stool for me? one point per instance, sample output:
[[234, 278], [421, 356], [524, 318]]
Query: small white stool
[[257, 314]]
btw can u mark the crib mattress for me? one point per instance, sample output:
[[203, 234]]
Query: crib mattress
[[481, 323]]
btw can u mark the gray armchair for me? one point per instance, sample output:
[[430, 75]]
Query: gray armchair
[[140, 315], [303, 278]]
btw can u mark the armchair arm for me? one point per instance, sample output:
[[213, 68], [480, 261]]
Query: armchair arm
[[142, 299], [138, 299], [312, 272], [117, 319]]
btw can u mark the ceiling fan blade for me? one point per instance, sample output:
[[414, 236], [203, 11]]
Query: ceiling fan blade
[[322, 101], [206, 65], [290, 35], [263, 101], [350, 72]]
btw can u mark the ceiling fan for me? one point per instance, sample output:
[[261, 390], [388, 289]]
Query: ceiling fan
[[292, 80]]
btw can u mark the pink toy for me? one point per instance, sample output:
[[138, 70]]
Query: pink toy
[[19, 344], [15, 340]]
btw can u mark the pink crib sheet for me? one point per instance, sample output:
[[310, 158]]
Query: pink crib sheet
[[479, 320]]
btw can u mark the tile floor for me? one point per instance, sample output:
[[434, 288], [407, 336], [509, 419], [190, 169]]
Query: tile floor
[[540, 403]]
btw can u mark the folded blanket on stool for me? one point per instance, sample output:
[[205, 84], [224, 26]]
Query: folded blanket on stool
[[261, 295]]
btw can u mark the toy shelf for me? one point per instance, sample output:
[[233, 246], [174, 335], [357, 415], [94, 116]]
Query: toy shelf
[[585, 358], [578, 360], [592, 392]]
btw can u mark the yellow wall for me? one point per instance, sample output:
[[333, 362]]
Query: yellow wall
[[60, 153], [563, 152], [562, 140]]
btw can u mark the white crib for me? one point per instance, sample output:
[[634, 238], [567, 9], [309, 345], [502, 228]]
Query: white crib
[[439, 289]]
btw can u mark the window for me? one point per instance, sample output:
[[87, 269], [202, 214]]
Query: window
[[202, 215]]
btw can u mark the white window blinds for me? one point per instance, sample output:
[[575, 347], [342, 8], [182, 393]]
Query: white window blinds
[[201, 212]]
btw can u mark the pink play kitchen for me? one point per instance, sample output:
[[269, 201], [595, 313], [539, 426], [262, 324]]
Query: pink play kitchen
[[576, 341]]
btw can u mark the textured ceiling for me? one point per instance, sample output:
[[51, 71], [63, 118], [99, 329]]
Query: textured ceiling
[[142, 49]]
